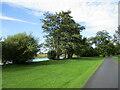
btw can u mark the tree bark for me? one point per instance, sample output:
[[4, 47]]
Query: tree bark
[[65, 55]]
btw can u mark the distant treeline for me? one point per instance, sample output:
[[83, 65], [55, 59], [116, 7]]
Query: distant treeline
[[63, 36]]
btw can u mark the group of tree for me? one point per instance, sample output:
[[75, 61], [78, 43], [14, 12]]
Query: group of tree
[[62, 33], [63, 36], [103, 43]]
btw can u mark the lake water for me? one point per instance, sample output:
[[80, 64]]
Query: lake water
[[42, 59], [33, 60]]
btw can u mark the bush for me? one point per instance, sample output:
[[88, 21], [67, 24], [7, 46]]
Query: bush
[[86, 51], [89, 52], [51, 54], [19, 48]]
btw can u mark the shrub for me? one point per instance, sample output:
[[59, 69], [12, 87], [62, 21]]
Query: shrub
[[86, 51], [51, 54], [19, 48]]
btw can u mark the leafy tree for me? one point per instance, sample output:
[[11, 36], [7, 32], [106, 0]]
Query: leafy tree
[[111, 50], [19, 48], [117, 48], [62, 32], [103, 43], [117, 40], [51, 54], [84, 48], [51, 27]]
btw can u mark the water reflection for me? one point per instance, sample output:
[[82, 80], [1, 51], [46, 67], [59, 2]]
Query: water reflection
[[42, 59], [33, 60]]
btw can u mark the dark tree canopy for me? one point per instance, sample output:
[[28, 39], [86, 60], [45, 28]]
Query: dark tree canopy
[[63, 35], [51, 54], [62, 32], [117, 40], [19, 48], [103, 42]]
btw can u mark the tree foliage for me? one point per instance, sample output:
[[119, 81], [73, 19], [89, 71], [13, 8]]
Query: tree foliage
[[103, 43], [51, 54], [117, 40], [62, 32], [84, 49], [19, 48], [63, 35]]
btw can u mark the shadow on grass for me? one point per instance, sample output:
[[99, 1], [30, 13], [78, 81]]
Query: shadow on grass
[[17, 67], [34, 64], [31, 65]]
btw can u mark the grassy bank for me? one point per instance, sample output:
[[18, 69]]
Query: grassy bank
[[41, 56], [117, 58], [70, 73], [45, 56]]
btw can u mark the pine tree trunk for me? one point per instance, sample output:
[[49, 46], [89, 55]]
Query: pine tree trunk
[[65, 55]]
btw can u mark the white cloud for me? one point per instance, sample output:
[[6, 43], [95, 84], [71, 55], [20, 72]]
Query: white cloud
[[97, 14], [35, 12], [13, 19]]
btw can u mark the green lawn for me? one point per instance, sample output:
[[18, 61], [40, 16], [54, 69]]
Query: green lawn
[[70, 73], [45, 56], [41, 56], [117, 58]]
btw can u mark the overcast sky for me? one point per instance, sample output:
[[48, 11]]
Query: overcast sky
[[24, 15]]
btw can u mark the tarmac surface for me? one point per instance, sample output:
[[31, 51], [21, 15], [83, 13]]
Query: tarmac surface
[[106, 76]]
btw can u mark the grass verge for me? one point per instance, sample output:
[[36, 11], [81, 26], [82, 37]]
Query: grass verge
[[45, 56], [70, 73], [41, 56], [117, 58]]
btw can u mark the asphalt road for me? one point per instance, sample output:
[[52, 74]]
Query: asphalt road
[[106, 76]]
